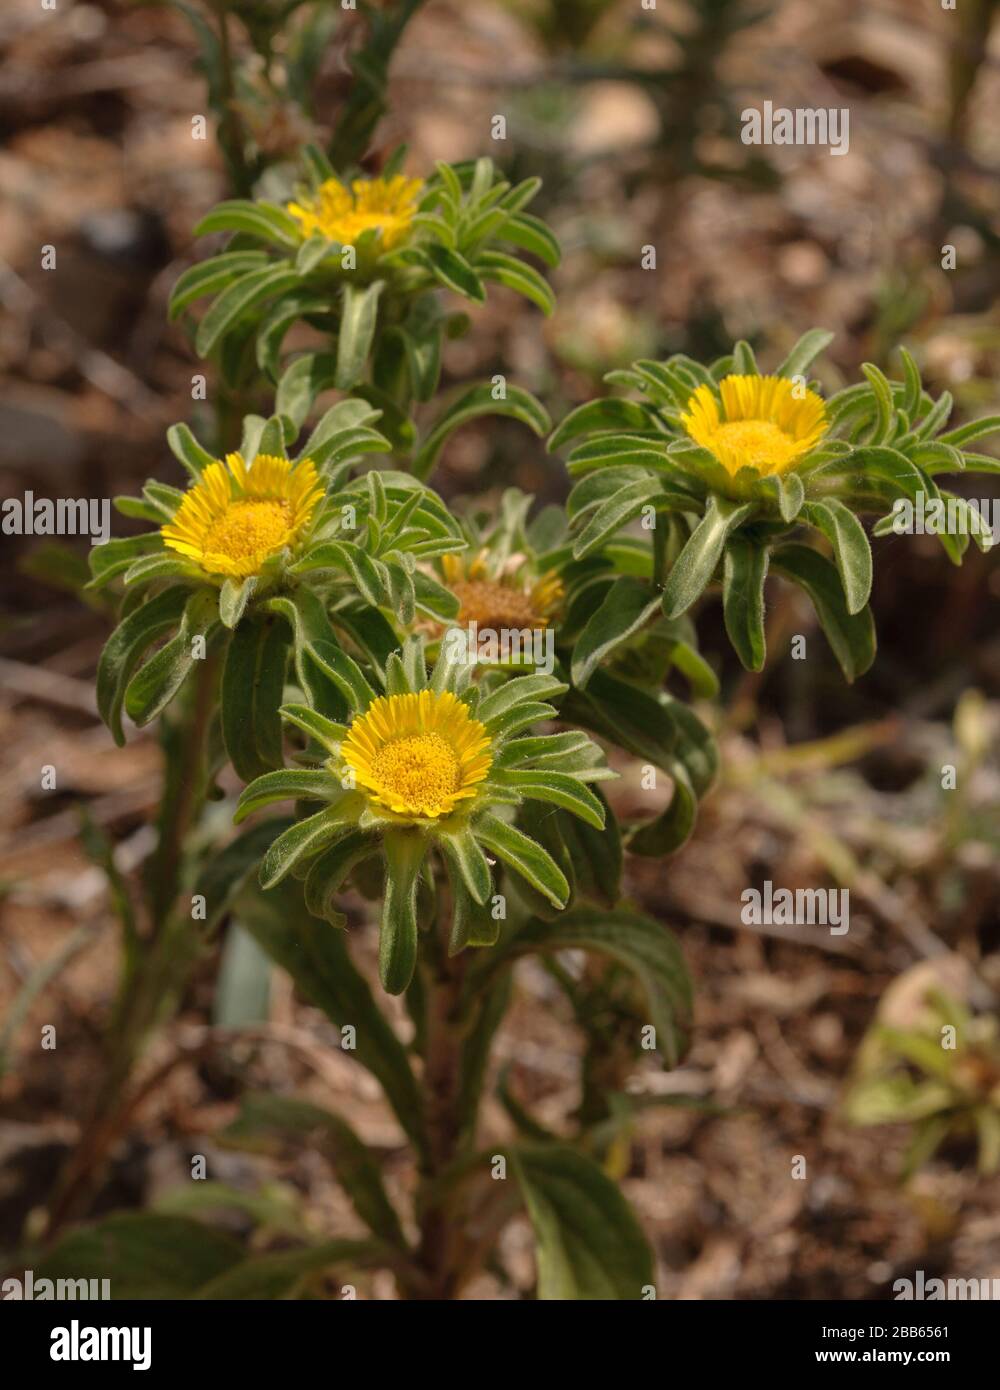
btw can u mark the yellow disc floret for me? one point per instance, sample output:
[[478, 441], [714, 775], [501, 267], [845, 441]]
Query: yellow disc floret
[[342, 214], [766, 423], [418, 755], [237, 517]]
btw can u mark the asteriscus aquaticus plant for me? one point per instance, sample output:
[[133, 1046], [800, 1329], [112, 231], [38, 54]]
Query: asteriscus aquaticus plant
[[430, 766]]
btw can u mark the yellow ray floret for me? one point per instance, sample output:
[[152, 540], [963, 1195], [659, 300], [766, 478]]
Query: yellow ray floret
[[342, 214], [237, 516], [767, 423], [418, 755], [503, 600]]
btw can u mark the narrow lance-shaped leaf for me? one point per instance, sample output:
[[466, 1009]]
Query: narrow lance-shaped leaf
[[356, 333], [851, 551], [253, 679], [851, 636], [525, 856], [694, 567], [475, 402], [743, 600], [625, 609], [153, 687], [397, 951]]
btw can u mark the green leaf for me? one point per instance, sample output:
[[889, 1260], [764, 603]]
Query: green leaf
[[645, 947], [589, 1242], [311, 252], [317, 651], [913, 390], [975, 429], [851, 550], [317, 959], [531, 234], [253, 680], [116, 556], [625, 714], [124, 650], [612, 414], [596, 856], [673, 827], [276, 1275], [269, 1122], [328, 734], [885, 411], [851, 636], [238, 299], [559, 788], [624, 503], [243, 988], [744, 572], [307, 377], [287, 784], [891, 472], [473, 403], [695, 565], [397, 948], [301, 841], [525, 856], [278, 319], [153, 687], [809, 346], [233, 599], [328, 873], [454, 271], [211, 275], [627, 607], [787, 492], [516, 692], [744, 362], [143, 1255], [186, 449], [658, 730], [358, 318], [462, 850], [421, 337], [266, 221], [515, 275], [341, 422], [167, 565]]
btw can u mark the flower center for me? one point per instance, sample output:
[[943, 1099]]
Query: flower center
[[419, 771], [247, 532], [492, 605], [758, 443]]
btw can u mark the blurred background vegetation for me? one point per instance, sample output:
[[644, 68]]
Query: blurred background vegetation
[[806, 1044]]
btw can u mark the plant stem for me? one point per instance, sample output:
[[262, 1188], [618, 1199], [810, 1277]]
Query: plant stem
[[231, 140], [158, 979], [183, 795], [440, 1254]]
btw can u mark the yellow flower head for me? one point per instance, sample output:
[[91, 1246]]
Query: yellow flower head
[[418, 755], [236, 517], [501, 600], [342, 214], [765, 424]]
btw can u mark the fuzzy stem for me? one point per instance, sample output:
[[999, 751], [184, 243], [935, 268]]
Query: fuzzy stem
[[184, 794], [441, 1241]]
